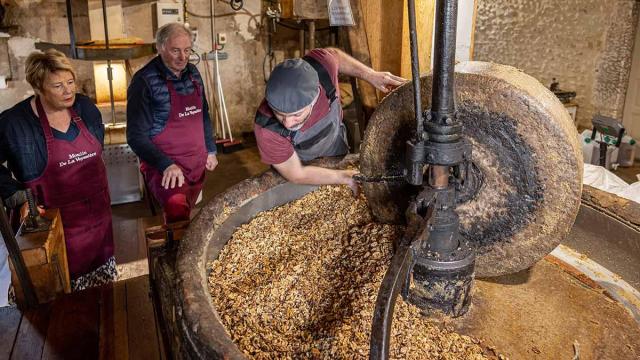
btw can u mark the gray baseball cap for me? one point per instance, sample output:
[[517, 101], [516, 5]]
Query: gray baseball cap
[[293, 84]]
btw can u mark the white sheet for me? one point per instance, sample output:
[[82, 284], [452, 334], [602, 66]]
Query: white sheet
[[605, 180]]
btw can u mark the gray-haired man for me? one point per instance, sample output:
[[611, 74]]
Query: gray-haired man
[[168, 125]]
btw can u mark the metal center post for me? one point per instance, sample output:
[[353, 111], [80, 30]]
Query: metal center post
[[444, 262], [433, 266]]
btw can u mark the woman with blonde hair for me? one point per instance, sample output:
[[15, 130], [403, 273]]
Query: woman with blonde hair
[[52, 143]]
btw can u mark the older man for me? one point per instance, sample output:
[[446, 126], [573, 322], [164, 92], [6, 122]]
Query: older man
[[168, 125], [300, 118]]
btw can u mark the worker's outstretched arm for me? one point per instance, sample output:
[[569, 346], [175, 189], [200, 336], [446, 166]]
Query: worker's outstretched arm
[[381, 80], [294, 171]]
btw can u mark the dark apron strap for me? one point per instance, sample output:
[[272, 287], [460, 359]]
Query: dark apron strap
[[323, 76], [272, 124]]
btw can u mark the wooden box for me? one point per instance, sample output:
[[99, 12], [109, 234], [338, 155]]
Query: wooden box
[[45, 256]]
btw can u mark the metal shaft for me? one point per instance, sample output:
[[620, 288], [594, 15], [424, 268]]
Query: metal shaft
[[443, 101], [33, 210], [415, 70], [439, 177], [109, 69], [444, 266], [72, 34]]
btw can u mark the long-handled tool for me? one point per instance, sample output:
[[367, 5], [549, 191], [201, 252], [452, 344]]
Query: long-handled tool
[[34, 222], [16, 257]]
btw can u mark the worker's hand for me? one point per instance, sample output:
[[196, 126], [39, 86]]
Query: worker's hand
[[385, 81], [212, 162], [172, 176], [24, 211], [347, 178]]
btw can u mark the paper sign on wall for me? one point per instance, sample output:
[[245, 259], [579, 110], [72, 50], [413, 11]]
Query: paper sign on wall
[[340, 13]]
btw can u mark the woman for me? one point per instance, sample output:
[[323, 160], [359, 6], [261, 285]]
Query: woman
[[52, 143]]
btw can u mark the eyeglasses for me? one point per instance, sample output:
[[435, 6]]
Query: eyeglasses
[[60, 87]]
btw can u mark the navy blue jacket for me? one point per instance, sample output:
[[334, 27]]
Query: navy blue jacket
[[148, 108], [22, 143]]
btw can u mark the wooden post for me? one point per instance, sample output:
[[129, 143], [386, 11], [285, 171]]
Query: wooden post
[[312, 34], [359, 45]]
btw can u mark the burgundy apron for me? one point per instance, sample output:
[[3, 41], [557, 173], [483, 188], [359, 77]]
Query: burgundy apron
[[75, 181], [182, 140]]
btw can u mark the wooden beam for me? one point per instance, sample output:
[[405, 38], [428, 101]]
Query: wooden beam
[[383, 21], [473, 29], [360, 50], [387, 25]]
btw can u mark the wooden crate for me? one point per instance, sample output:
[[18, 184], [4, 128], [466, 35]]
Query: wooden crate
[[45, 255]]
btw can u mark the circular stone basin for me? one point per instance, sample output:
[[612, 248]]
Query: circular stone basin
[[552, 310]]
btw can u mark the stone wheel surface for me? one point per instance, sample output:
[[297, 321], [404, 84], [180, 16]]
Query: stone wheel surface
[[524, 143]]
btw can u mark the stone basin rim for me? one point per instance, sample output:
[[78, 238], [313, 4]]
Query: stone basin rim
[[203, 334]]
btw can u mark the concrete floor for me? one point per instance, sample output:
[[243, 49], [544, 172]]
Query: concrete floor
[[629, 174], [545, 313]]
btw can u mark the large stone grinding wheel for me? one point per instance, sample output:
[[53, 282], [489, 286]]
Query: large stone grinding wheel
[[524, 144]]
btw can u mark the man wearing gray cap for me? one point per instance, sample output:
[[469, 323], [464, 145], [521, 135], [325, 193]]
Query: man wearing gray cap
[[300, 118]]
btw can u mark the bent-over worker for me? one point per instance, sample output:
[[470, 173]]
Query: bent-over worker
[[300, 118]]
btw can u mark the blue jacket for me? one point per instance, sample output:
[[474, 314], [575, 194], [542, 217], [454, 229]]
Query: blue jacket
[[148, 108], [22, 143]]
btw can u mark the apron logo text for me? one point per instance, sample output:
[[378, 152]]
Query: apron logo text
[[76, 158], [190, 110]]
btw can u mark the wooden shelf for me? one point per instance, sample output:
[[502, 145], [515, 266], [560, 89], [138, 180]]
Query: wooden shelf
[[98, 52]]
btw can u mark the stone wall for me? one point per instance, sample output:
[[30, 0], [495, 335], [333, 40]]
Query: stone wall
[[585, 44], [26, 21], [241, 73]]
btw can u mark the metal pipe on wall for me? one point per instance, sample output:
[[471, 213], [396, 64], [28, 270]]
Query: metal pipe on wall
[[109, 68], [72, 34]]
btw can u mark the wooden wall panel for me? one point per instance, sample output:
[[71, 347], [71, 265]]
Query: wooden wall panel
[[359, 48], [383, 21], [387, 26]]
